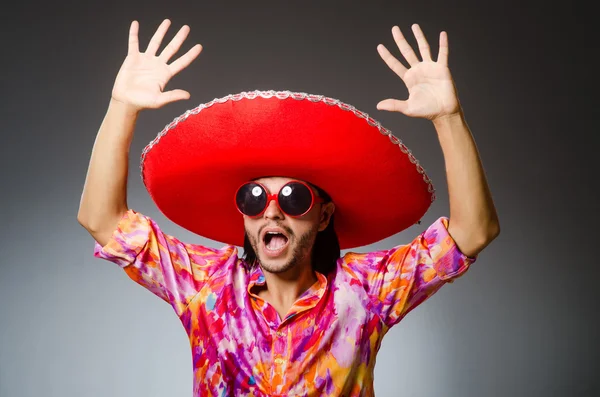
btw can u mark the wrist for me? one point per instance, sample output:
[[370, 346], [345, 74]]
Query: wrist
[[123, 108], [450, 119]]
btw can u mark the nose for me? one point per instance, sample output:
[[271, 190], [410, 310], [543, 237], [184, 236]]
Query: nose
[[273, 211]]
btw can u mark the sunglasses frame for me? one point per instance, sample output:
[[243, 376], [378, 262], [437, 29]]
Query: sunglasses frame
[[275, 196]]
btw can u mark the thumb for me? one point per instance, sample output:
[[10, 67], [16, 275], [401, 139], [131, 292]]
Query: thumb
[[392, 105], [172, 96]]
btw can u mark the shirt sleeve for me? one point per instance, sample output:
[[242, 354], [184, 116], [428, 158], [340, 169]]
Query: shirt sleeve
[[170, 269], [399, 279]]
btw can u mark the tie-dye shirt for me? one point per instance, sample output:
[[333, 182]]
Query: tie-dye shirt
[[327, 342]]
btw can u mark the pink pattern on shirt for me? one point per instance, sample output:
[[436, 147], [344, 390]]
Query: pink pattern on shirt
[[326, 344]]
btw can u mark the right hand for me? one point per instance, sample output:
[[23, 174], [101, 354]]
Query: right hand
[[143, 75]]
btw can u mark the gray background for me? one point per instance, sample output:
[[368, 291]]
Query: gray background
[[520, 323]]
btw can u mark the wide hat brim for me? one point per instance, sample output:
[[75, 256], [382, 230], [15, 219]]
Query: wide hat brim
[[194, 166]]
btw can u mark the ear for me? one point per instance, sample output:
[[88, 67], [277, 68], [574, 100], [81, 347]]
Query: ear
[[327, 211]]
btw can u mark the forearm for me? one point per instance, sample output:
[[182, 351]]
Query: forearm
[[104, 197], [473, 219]]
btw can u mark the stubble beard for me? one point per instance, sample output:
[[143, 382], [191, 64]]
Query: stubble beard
[[302, 248]]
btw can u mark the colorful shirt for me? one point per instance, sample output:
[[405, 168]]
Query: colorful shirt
[[325, 345]]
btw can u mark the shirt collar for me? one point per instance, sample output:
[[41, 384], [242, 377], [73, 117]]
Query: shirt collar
[[257, 277]]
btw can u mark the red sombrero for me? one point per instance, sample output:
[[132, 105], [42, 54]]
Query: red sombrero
[[194, 166]]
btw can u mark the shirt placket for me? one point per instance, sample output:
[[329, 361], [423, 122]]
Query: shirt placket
[[282, 338], [280, 356], [281, 331]]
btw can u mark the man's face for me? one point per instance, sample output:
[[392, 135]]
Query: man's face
[[291, 247]]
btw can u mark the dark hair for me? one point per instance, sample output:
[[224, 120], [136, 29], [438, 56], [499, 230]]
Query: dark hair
[[325, 252]]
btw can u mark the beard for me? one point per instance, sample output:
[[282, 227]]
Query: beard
[[302, 248]]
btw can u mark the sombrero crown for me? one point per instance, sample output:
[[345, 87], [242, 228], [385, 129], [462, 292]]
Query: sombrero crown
[[194, 166]]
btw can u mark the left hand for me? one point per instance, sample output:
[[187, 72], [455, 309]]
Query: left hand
[[431, 90]]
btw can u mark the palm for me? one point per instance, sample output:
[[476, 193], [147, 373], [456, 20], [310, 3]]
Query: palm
[[431, 90], [143, 77], [141, 80], [430, 86]]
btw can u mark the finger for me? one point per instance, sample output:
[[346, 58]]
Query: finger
[[422, 42], [172, 96], [157, 37], [391, 61], [133, 38], [175, 44], [184, 61], [392, 105], [443, 53], [404, 47]]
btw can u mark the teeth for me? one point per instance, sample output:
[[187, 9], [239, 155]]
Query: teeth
[[275, 233], [268, 236]]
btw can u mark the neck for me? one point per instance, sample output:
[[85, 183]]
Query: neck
[[283, 289]]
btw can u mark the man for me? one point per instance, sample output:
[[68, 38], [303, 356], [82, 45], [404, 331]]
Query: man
[[271, 171]]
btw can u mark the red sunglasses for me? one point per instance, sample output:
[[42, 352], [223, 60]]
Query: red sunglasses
[[295, 199]]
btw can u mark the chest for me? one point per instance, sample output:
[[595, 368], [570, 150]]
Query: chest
[[320, 342], [237, 319]]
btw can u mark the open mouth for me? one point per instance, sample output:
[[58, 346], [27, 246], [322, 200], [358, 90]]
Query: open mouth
[[275, 242]]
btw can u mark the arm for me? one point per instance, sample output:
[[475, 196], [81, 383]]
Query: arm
[[104, 198], [432, 95], [138, 85], [474, 222]]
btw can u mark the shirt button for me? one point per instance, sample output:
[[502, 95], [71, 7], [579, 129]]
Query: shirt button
[[279, 361], [281, 334]]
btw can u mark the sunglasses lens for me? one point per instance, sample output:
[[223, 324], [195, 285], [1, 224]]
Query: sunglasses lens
[[251, 199], [295, 198]]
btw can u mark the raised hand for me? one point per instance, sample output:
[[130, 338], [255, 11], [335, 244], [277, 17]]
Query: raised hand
[[143, 76], [431, 90]]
